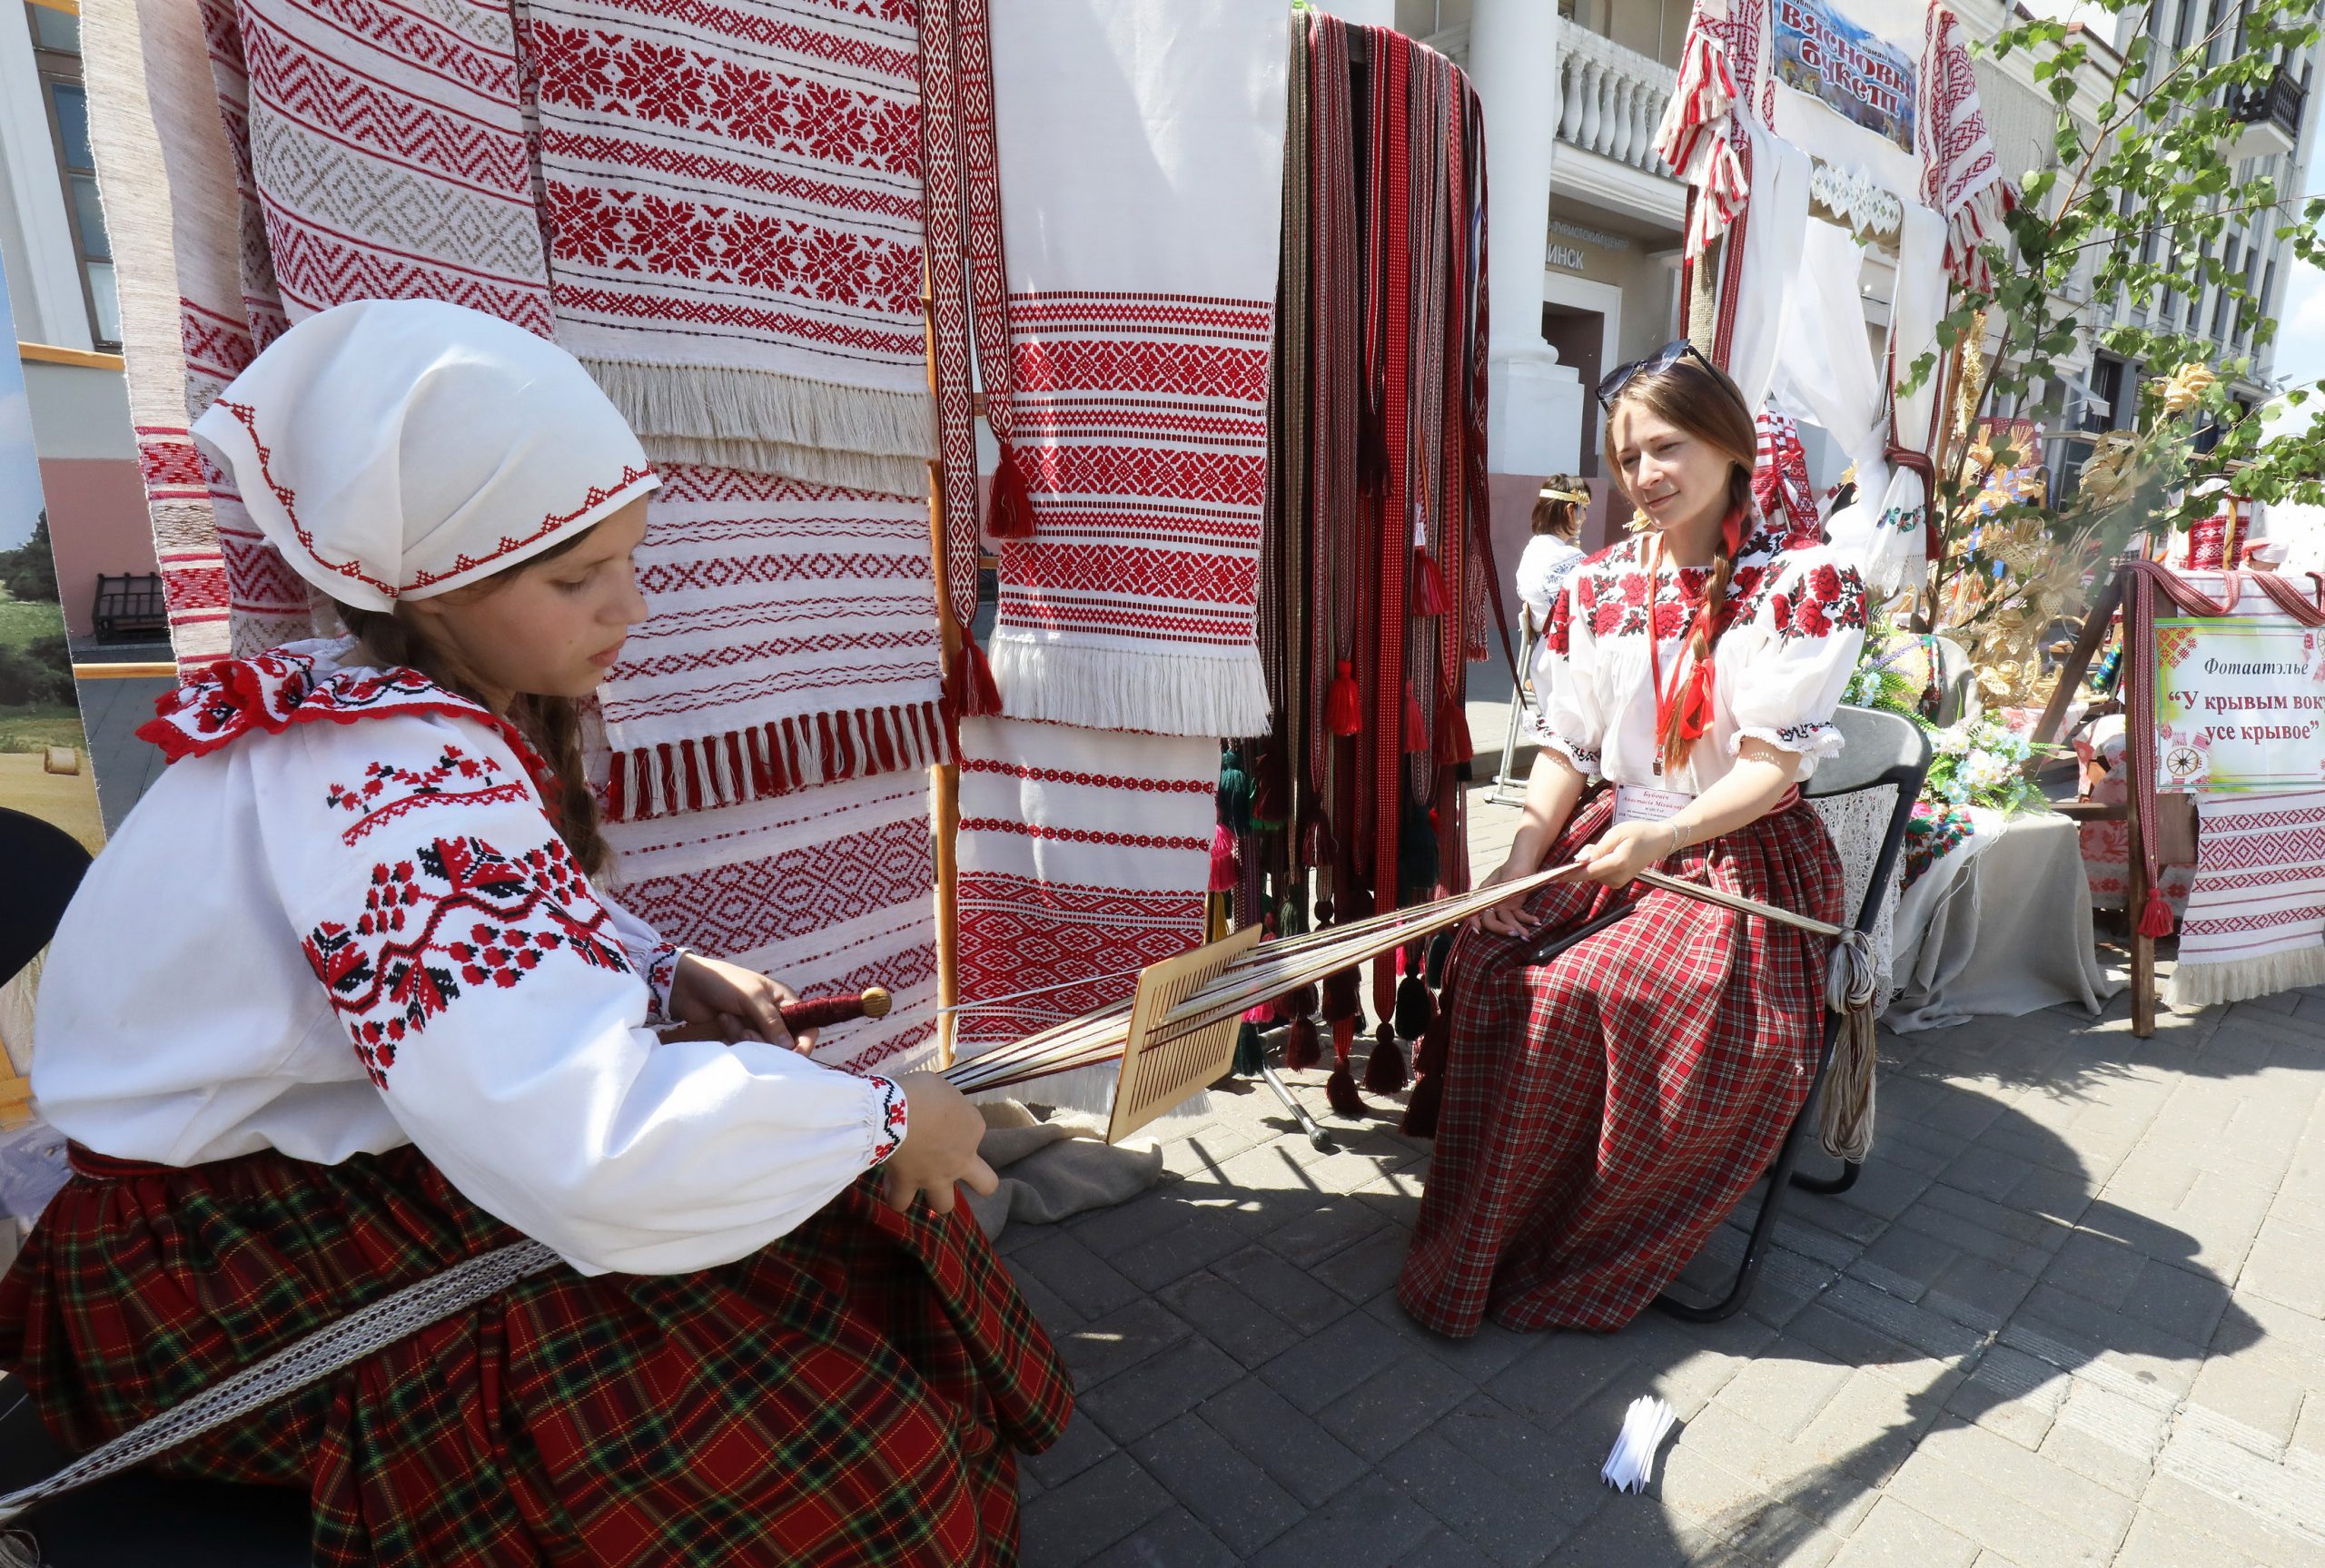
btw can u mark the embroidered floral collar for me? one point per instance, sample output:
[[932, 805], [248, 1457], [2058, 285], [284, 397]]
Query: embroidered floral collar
[[305, 683]]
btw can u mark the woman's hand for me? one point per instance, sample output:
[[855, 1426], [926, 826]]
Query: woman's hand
[[718, 1000], [941, 1131], [1628, 849], [1502, 919]]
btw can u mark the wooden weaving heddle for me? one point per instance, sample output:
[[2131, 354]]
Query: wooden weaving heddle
[[1164, 1064]]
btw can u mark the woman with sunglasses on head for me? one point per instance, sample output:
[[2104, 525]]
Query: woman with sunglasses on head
[[1604, 1110], [346, 1004]]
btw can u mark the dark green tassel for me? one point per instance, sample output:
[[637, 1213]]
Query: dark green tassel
[[1235, 792], [1440, 948], [1249, 1051]]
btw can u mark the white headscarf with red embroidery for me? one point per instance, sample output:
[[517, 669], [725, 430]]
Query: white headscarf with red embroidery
[[399, 448]]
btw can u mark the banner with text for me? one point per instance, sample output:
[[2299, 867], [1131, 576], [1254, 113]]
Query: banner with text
[[2239, 704]]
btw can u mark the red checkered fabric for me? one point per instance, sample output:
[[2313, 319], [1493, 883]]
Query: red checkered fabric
[[849, 1395], [1605, 1111]]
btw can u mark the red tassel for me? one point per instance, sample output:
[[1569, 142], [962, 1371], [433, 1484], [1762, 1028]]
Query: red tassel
[[1013, 508], [1343, 1037], [1340, 1091], [1385, 1072], [1341, 989], [1421, 1111], [1303, 1047], [1416, 735], [1316, 843], [2155, 918], [1452, 743], [1343, 710], [970, 689], [1224, 873], [1429, 1092], [1430, 598]]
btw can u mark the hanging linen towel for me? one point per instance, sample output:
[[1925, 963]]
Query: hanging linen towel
[[1083, 859], [829, 889], [2256, 909], [389, 151], [732, 197], [263, 160], [1140, 168], [793, 642]]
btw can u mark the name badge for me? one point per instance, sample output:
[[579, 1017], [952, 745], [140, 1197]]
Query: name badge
[[1635, 802]]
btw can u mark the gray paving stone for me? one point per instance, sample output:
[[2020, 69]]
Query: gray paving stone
[[1503, 1523], [1381, 1413], [1073, 1522], [1061, 1261], [1173, 1538], [1222, 1312], [1327, 1364], [1372, 1525], [1291, 1294], [1081, 1445], [1118, 1340], [1233, 1497], [1557, 1463], [1323, 1230], [2181, 1302], [1157, 1262], [1895, 1536], [1291, 1446], [1167, 1385], [1981, 1294], [1366, 1271]]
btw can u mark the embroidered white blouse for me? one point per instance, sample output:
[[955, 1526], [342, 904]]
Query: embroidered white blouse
[[1796, 622], [1542, 568], [341, 921]]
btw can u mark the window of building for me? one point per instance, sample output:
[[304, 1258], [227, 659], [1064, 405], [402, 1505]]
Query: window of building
[[2185, 25], [56, 54]]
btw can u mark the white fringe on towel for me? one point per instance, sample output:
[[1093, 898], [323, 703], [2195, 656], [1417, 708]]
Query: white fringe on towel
[[1163, 690], [867, 438], [2195, 985]]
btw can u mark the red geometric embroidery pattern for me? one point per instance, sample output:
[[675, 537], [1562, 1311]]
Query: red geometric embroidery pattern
[[459, 913], [422, 788]]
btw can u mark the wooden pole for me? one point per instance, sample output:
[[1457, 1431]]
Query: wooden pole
[[946, 783]]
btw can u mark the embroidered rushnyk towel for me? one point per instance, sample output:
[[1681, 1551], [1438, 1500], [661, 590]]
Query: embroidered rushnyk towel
[[1083, 858], [1141, 148], [793, 642], [264, 159], [2255, 921], [732, 193], [827, 888]]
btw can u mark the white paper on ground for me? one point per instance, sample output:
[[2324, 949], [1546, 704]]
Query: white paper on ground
[[1644, 1426]]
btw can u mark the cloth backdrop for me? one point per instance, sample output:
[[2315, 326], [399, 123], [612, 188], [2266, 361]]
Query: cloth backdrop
[[1141, 147], [1084, 857], [269, 159], [793, 641], [2255, 921], [732, 195], [828, 889]]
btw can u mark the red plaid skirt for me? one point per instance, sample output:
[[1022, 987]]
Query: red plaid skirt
[[1605, 1111], [849, 1395]]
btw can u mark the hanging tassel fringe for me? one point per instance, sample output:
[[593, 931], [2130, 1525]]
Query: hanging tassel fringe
[[1844, 1117], [1385, 1072], [2155, 915], [1452, 745], [1429, 1092], [1224, 870], [970, 688], [1340, 1090], [1235, 792], [1431, 597], [1343, 709], [1416, 1010], [1249, 1052], [774, 759], [1012, 508], [1303, 1047]]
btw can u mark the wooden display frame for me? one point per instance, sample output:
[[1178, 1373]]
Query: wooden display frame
[[1156, 1076]]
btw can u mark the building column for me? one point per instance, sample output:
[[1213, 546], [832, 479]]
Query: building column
[[1535, 417]]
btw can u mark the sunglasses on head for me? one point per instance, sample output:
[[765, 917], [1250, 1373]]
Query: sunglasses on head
[[1654, 364]]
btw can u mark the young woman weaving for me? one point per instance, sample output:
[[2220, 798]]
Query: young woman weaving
[[1603, 1111], [344, 1003]]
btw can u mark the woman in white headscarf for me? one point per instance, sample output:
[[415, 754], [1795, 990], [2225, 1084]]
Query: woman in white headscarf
[[343, 1004]]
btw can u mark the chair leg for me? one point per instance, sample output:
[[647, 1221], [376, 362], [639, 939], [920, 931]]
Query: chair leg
[[1831, 1184], [1747, 1273]]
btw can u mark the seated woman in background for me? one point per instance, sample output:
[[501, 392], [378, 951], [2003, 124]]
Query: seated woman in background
[[1556, 548], [345, 1003], [1603, 1111]]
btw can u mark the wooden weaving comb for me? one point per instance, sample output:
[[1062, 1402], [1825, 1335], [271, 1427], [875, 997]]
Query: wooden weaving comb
[[1163, 1066]]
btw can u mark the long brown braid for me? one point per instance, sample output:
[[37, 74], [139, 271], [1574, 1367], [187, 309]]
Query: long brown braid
[[1699, 399], [553, 724]]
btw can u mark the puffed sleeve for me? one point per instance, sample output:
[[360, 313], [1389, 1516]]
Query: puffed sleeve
[[487, 991], [1567, 713], [654, 959], [1807, 631]]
